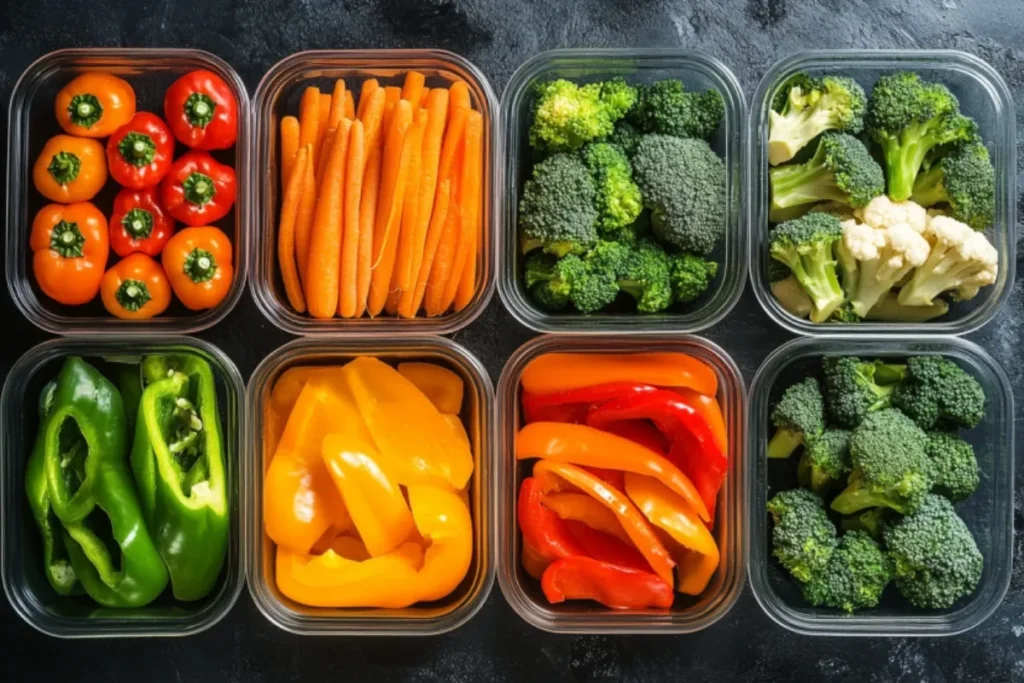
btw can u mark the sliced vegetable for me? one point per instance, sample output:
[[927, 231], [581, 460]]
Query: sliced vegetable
[[553, 372], [439, 384]]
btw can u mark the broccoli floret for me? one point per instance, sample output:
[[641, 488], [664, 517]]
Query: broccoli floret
[[936, 559], [805, 107], [961, 261], [854, 387], [690, 276], [557, 210], [683, 183], [626, 136], [871, 521], [841, 170], [667, 107], [854, 578], [618, 200], [566, 115], [845, 314], [799, 417], [549, 280], [964, 179], [645, 277], [803, 538], [954, 465], [938, 391], [908, 117], [890, 467], [825, 461], [806, 246]]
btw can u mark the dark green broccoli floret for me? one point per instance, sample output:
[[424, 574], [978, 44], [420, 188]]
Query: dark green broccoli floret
[[938, 391], [806, 246], [566, 115], [871, 521], [667, 107], [683, 183], [804, 537], [841, 170], [799, 417], [609, 257], [854, 578], [845, 314], [549, 279], [936, 559], [618, 200], [908, 117], [626, 136], [890, 467], [805, 107], [964, 179], [825, 461], [954, 464], [645, 277], [690, 276], [557, 210], [854, 387]]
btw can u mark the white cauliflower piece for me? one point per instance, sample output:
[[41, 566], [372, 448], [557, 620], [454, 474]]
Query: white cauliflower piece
[[960, 260], [882, 212]]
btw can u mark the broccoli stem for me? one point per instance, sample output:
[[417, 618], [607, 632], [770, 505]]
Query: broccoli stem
[[789, 133], [903, 159], [804, 184], [928, 188], [812, 477], [783, 443], [817, 275], [855, 498]]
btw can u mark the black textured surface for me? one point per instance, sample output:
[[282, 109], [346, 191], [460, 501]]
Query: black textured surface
[[498, 35]]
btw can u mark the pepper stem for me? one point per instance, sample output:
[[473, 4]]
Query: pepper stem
[[199, 188], [85, 110], [67, 240], [199, 109], [200, 265], [64, 167], [132, 295], [138, 223], [137, 149]]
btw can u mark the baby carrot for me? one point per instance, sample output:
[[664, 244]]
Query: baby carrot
[[350, 229], [286, 234], [392, 94], [325, 150], [433, 134], [323, 116], [338, 97], [373, 121], [369, 85], [402, 277], [412, 299], [367, 216], [309, 118], [289, 147], [322, 270], [442, 265], [304, 222], [412, 89], [458, 96], [469, 203], [350, 106]]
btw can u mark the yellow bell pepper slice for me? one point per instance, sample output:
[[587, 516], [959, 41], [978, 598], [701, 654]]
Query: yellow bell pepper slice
[[667, 510], [442, 519], [439, 384]]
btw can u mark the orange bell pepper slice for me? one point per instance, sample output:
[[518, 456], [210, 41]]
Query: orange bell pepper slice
[[439, 384], [589, 447], [583, 508], [566, 371], [533, 562], [709, 409], [442, 519], [406, 426], [373, 499], [550, 474], [350, 547], [665, 510], [695, 570]]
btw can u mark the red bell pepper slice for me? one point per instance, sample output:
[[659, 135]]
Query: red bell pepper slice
[[198, 190], [139, 153], [542, 529], [584, 578], [639, 431], [706, 471], [607, 548], [574, 403]]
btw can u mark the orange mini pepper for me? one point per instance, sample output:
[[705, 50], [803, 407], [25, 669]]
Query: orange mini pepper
[[442, 386], [94, 105], [589, 447], [135, 288], [69, 246], [70, 169], [665, 510], [553, 372], [198, 264]]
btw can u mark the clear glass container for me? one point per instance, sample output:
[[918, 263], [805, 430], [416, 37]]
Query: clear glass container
[[421, 619], [983, 95], [988, 513], [150, 72], [697, 71], [22, 565], [688, 614], [278, 95]]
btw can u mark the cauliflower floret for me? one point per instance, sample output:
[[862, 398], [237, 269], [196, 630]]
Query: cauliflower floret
[[884, 257], [882, 212], [862, 241], [961, 260]]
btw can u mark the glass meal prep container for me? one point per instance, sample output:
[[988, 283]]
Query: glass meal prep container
[[697, 71], [983, 95], [278, 95], [988, 512], [428, 618], [23, 577], [150, 72], [688, 613]]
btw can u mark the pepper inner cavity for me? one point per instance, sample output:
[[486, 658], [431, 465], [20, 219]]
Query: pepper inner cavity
[[74, 450], [183, 434]]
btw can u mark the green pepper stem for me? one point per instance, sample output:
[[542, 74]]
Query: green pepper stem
[[137, 149], [64, 167], [85, 110], [67, 240], [199, 109], [132, 295], [138, 223], [199, 188], [200, 265]]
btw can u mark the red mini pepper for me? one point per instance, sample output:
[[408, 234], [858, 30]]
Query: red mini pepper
[[574, 403], [199, 190], [584, 578], [139, 223], [202, 111], [139, 153]]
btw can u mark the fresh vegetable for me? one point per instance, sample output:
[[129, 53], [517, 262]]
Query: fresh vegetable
[[854, 387], [806, 246], [69, 169], [825, 460], [567, 115], [69, 251], [197, 261], [138, 223], [965, 180], [798, 418], [135, 288], [94, 105], [198, 190], [857, 573], [841, 170], [667, 107], [139, 153], [961, 261], [553, 372], [557, 211], [803, 538], [954, 465], [202, 111], [937, 391], [617, 198], [584, 578], [804, 107]]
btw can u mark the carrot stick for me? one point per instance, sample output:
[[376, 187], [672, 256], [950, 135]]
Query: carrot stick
[[337, 104], [304, 222], [322, 270], [373, 121], [394, 166], [433, 135], [458, 96], [350, 229], [323, 153], [324, 114], [350, 106], [309, 118], [441, 268], [412, 89], [402, 277], [412, 299], [469, 204], [367, 216], [286, 234], [391, 96], [369, 86], [289, 147]]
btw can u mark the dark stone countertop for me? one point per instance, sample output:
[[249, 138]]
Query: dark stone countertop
[[498, 35]]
